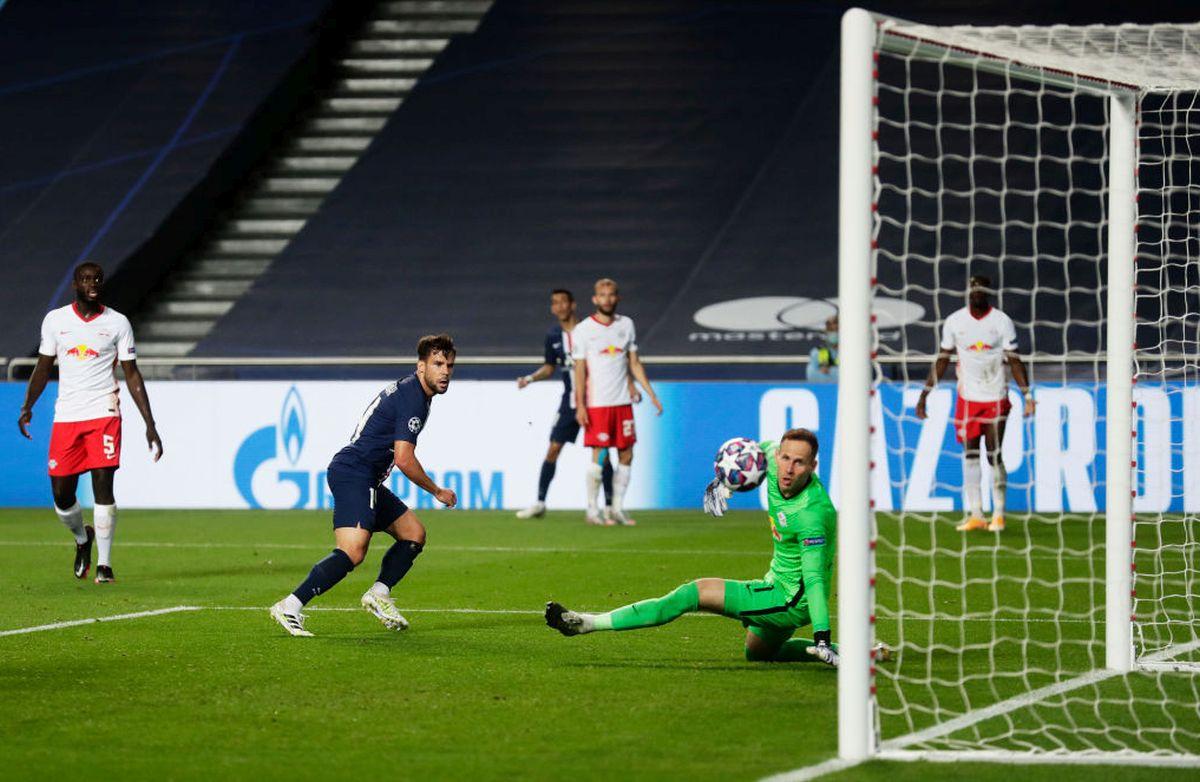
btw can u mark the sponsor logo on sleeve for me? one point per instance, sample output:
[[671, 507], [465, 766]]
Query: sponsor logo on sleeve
[[414, 424], [820, 541]]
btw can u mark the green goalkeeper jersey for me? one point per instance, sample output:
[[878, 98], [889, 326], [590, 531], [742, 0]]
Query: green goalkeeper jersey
[[804, 528]]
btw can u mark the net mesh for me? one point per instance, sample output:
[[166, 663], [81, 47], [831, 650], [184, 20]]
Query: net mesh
[[991, 158]]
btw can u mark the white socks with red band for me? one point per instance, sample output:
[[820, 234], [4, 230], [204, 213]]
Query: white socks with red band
[[72, 519], [106, 523]]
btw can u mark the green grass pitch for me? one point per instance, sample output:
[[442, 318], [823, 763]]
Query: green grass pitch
[[478, 688]]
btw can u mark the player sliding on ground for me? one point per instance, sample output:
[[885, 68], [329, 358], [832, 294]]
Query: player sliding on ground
[[795, 591], [985, 339], [386, 437]]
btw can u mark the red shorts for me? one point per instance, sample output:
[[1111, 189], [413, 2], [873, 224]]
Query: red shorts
[[79, 446], [610, 427], [970, 417]]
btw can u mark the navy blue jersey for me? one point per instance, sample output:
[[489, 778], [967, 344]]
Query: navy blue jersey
[[400, 412], [558, 353]]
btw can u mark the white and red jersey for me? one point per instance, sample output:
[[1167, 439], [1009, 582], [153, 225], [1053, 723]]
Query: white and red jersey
[[606, 348], [981, 344], [87, 351]]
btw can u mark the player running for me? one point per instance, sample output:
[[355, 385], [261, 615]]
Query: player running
[[606, 355], [88, 339], [985, 339], [386, 437], [794, 593], [566, 428]]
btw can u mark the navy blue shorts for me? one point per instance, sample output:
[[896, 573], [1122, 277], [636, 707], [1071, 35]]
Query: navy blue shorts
[[565, 428], [359, 502]]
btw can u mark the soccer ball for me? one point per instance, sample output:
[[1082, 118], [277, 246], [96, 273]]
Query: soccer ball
[[740, 464]]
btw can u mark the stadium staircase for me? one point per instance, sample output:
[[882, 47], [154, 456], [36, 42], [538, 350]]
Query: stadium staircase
[[377, 68]]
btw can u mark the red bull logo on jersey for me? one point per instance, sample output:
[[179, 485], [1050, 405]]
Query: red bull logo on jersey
[[978, 347], [82, 352], [612, 350]]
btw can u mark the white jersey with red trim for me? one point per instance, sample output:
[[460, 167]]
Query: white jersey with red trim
[[87, 351], [606, 348], [981, 344]]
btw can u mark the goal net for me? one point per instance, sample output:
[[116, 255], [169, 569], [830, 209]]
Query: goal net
[[1063, 163]]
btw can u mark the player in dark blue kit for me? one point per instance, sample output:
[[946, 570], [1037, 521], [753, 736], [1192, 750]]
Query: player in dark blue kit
[[386, 437], [566, 428]]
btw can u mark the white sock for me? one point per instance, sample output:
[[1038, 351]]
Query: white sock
[[381, 589], [972, 473], [999, 487], [620, 484], [106, 523], [594, 477], [292, 604], [72, 519]]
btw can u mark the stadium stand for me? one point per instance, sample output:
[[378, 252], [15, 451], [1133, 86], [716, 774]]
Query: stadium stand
[[665, 144], [114, 112]]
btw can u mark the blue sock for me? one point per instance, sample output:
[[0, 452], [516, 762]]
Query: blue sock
[[606, 476], [324, 575], [544, 479], [397, 561]]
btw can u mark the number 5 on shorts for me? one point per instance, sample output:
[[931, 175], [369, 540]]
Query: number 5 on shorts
[[110, 446]]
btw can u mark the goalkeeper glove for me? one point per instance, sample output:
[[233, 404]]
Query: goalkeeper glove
[[716, 498], [823, 650]]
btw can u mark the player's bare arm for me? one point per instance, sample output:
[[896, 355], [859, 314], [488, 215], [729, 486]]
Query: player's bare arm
[[935, 374], [638, 371], [137, 389], [1017, 367], [37, 384], [406, 460], [581, 414], [542, 372]]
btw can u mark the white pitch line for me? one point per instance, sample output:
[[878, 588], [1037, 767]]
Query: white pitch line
[[893, 749], [95, 619], [765, 553]]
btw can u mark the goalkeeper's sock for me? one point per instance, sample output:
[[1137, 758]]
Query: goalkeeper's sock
[[999, 486], [606, 478], [593, 477], [105, 520], [72, 519], [651, 613], [972, 474], [397, 561], [324, 576], [620, 484], [544, 479]]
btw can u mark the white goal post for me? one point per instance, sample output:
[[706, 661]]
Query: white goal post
[[912, 145]]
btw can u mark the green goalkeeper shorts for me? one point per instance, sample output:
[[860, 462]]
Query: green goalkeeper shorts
[[765, 608]]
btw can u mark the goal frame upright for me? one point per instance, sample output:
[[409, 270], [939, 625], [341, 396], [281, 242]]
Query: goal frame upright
[[858, 732]]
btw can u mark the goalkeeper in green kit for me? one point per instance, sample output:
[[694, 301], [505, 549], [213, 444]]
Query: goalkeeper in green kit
[[795, 591]]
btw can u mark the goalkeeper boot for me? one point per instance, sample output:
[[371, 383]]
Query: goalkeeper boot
[[384, 609], [534, 511], [83, 553], [104, 574], [293, 623], [563, 620], [997, 524], [972, 523]]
